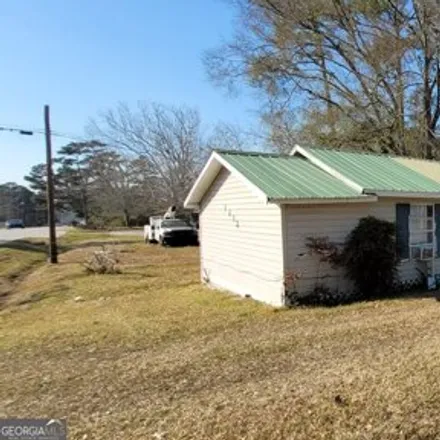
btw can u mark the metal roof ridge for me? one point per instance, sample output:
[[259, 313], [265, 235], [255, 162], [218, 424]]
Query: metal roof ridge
[[345, 150], [251, 153], [349, 150], [354, 156]]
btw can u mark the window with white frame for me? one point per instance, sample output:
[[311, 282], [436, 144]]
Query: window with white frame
[[421, 232]]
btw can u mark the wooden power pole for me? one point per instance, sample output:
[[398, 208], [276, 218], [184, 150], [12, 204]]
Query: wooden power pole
[[53, 253]]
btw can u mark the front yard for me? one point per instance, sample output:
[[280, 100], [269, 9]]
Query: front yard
[[150, 353]]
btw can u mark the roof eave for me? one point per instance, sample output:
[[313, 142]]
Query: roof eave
[[324, 201], [191, 198], [191, 205], [405, 194], [208, 175]]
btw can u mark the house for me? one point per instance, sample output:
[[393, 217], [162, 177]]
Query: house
[[257, 210]]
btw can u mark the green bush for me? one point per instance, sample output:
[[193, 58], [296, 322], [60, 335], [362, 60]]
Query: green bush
[[369, 257]]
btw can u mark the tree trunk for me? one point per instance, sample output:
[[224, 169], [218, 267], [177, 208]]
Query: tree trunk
[[427, 116], [401, 138], [126, 218], [327, 92], [427, 95], [85, 207]]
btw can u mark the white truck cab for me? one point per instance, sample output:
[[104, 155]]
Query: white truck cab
[[167, 231]]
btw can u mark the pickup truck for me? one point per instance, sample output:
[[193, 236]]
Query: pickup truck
[[170, 232]]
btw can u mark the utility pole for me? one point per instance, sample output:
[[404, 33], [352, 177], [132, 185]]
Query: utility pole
[[53, 253]]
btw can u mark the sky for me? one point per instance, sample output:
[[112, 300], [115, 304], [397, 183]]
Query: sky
[[82, 57]]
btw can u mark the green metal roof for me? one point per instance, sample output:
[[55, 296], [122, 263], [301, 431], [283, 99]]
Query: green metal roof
[[374, 172], [288, 177]]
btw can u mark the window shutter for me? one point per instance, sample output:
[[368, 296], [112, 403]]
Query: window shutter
[[437, 227], [402, 229]]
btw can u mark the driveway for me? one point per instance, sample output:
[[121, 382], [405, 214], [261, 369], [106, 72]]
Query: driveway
[[18, 234]]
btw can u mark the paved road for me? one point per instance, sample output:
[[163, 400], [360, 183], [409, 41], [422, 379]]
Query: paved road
[[17, 234]]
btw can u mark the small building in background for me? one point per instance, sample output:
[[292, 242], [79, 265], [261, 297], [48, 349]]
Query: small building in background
[[66, 217]]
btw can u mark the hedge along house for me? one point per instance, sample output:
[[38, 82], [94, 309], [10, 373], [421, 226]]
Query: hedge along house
[[257, 211]]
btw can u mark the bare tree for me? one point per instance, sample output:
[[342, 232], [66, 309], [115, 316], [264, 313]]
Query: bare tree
[[169, 138], [232, 136], [122, 187], [368, 70], [284, 131]]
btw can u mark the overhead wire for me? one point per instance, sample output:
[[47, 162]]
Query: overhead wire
[[27, 131]]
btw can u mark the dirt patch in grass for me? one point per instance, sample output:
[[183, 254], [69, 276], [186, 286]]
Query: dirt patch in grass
[[151, 353]]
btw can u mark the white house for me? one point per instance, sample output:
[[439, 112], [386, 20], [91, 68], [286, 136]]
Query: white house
[[257, 210]]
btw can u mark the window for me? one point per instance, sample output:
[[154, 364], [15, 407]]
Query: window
[[171, 223], [421, 232]]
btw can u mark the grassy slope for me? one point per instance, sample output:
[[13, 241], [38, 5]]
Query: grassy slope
[[151, 352], [13, 262], [17, 258]]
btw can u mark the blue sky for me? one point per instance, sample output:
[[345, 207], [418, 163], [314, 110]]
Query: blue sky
[[82, 56]]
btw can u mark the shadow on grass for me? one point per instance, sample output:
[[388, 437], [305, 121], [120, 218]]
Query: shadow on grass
[[97, 243], [134, 274], [42, 246], [311, 300], [25, 245], [411, 294]]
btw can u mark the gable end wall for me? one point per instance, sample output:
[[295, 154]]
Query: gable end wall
[[240, 241]]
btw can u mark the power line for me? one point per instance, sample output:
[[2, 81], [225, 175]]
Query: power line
[[63, 135], [41, 131], [24, 132]]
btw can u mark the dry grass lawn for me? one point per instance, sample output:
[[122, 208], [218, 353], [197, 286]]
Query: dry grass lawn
[[152, 354]]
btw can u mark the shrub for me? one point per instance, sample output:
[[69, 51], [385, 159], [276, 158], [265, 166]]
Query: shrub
[[103, 261], [326, 250], [290, 285], [369, 257]]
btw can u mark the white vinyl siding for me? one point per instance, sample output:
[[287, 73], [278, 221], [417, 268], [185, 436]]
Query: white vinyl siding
[[333, 221], [240, 241]]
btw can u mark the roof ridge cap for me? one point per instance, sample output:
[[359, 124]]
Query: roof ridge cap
[[250, 153], [349, 150]]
